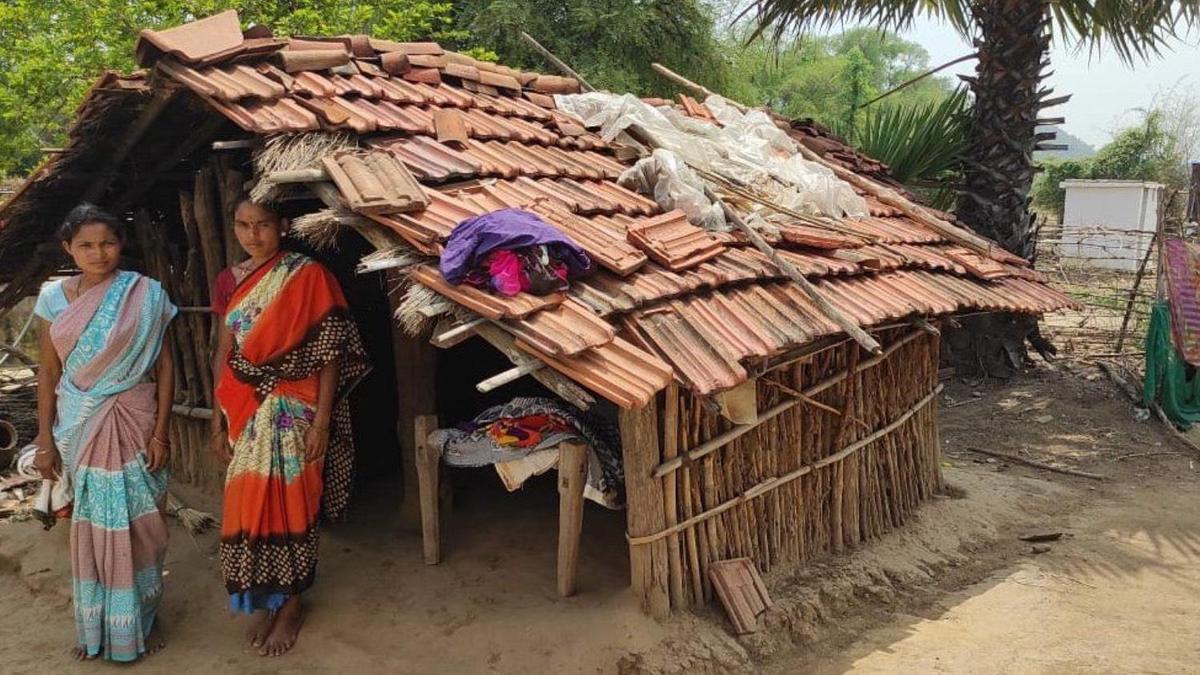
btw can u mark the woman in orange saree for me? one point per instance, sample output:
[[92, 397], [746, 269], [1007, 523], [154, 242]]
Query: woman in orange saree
[[287, 356]]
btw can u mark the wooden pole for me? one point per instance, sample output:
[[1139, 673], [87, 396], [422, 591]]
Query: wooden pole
[[698, 89], [648, 568], [572, 474], [428, 464], [727, 437], [918, 78], [557, 62], [1137, 282], [670, 448]]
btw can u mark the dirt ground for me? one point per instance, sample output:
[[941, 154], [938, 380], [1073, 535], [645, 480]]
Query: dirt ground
[[953, 591]]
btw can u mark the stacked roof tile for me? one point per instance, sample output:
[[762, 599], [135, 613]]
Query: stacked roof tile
[[668, 300]]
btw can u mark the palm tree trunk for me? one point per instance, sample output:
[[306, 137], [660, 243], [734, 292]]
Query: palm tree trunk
[[998, 169]]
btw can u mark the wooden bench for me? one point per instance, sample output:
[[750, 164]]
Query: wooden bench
[[572, 475]]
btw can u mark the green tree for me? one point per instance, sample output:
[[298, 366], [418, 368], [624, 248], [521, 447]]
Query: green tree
[[50, 53], [1145, 151], [611, 43], [828, 78]]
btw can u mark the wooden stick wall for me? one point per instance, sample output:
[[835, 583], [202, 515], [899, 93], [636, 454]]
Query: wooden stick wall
[[187, 267], [804, 483]]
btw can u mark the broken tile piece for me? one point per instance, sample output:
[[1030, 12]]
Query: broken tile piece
[[673, 242], [373, 181]]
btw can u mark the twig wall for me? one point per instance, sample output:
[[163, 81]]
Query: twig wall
[[815, 477]]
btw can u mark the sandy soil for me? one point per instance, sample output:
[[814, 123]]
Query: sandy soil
[[954, 591]]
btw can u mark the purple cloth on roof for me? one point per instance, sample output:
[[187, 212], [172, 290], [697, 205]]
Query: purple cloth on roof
[[474, 238]]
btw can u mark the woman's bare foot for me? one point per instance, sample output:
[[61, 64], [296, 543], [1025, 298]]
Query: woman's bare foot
[[155, 641], [260, 627], [80, 654], [284, 628]]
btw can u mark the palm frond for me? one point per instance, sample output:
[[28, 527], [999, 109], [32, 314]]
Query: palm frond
[[1133, 28], [918, 142], [788, 17]]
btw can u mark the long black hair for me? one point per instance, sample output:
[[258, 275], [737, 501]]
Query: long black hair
[[89, 213]]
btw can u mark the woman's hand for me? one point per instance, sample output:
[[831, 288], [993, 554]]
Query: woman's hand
[[220, 446], [316, 442], [158, 451], [46, 458]]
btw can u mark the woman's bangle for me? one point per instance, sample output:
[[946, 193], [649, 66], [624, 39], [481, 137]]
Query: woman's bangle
[[160, 441]]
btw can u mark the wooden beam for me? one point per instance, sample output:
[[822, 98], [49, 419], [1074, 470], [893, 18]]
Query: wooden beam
[[456, 335], [721, 440], [844, 322], [159, 101], [382, 239], [416, 372], [511, 375], [771, 484], [559, 384], [557, 62], [698, 89], [646, 514]]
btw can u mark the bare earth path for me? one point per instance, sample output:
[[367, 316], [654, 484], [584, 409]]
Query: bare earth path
[[1121, 596]]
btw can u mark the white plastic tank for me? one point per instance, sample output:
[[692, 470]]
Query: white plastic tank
[[1109, 223]]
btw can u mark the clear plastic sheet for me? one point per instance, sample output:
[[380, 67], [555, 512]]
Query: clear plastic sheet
[[674, 186], [748, 149]]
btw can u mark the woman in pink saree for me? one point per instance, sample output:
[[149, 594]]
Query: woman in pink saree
[[104, 401]]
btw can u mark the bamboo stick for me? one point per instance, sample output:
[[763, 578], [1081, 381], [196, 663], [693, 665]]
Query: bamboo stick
[[1036, 464]]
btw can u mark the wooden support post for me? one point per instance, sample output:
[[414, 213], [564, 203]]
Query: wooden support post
[[556, 62], [670, 449], [416, 371], [572, 474], [428, 461], [646, 515]]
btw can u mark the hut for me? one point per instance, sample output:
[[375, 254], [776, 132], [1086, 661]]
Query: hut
[[775, 387]]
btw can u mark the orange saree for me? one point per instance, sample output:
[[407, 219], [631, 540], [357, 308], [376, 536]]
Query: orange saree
[[288, 320]]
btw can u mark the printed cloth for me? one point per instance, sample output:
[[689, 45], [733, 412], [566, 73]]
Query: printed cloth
[[528, 270], [474, 238], [288, 320], [1183, 275], [526, 425], [109, 340]]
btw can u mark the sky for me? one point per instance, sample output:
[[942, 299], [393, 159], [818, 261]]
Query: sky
[[1105, 92]]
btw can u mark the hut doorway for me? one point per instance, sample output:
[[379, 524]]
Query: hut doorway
[[373, 403]]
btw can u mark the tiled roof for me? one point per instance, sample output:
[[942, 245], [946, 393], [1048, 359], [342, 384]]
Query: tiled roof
[[668, 300]]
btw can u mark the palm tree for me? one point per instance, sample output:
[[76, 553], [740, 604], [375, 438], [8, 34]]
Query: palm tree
[[1012, 38]]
